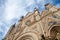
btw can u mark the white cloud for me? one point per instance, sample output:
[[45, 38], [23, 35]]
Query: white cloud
[[38, 1], [10, 10], [30, 2]]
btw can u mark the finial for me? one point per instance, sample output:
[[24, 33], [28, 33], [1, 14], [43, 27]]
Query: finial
[[35, 9], [21, 18], [47, 4], [14, 25]]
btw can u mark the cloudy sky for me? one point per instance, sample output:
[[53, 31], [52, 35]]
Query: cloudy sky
[[12, 10]]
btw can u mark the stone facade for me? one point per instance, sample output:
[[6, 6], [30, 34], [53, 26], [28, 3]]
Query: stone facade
[[37, 25]]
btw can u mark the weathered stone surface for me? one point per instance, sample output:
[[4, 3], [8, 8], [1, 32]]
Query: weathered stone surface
[[36, 25]]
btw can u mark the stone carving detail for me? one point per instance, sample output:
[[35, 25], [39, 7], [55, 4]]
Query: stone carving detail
[[37, 17], [28, 36], [32, 26], [28, 22]]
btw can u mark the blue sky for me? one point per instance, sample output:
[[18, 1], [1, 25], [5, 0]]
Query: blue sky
[[12, 10]]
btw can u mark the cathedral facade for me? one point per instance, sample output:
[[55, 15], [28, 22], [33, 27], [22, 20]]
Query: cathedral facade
[[37, 25]]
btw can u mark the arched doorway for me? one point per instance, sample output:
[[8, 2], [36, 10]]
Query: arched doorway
[[55, 32], [28, 36]]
